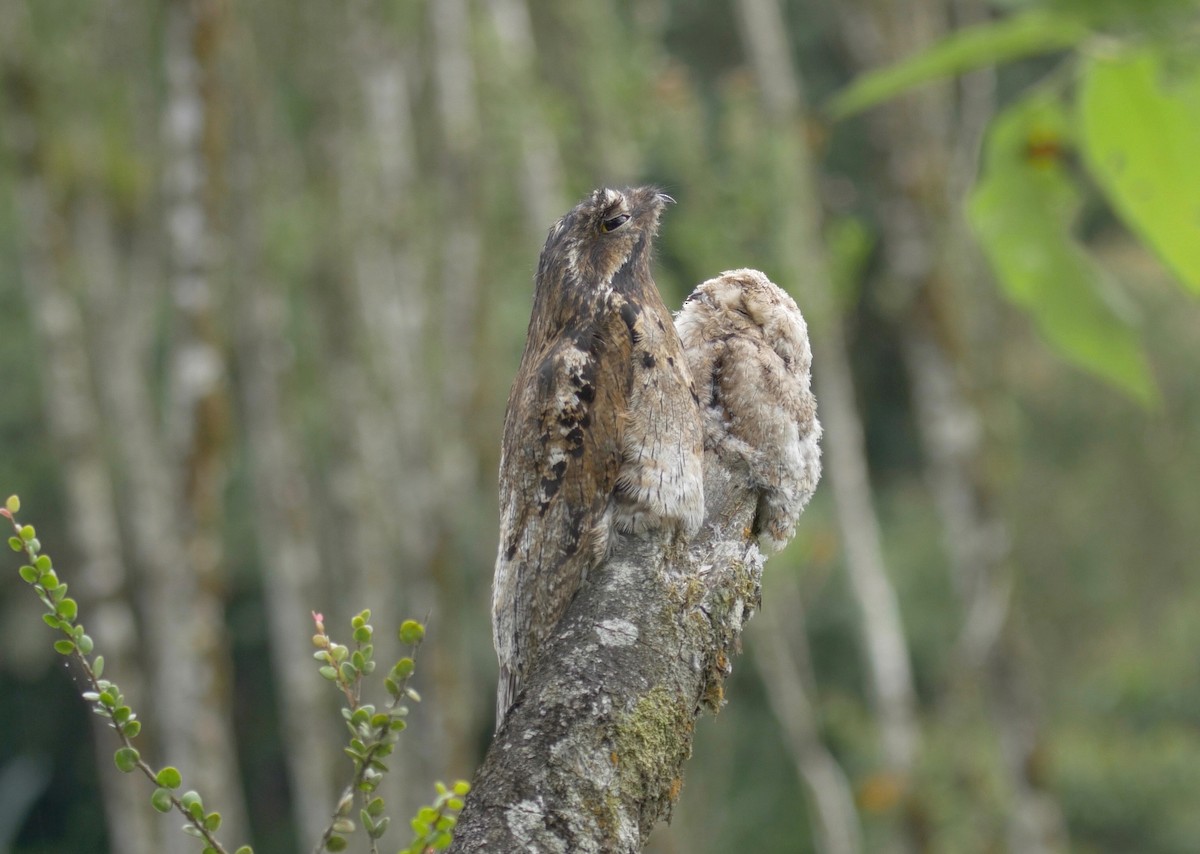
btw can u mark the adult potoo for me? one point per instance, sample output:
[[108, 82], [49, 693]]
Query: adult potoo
[[602, 435]]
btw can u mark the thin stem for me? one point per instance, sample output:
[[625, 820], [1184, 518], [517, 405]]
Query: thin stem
[[94, 681], [352, 689]]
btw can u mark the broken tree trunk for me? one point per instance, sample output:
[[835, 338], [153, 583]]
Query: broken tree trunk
[[592, 756]]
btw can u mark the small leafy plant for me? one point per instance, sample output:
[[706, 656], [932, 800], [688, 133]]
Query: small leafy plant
[[374, 731], [62, 615], [373, 736]]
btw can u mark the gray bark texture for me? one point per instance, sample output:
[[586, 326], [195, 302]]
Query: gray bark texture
[[591, 757]]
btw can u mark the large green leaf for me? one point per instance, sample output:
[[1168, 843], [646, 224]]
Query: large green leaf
[[1022, 211], [1025, 34], [1141, 138]]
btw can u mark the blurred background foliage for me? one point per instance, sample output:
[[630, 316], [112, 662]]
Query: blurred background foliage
[[265, 272]]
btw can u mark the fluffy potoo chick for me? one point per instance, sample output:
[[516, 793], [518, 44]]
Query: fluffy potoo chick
[[602, 432], [747, 347]]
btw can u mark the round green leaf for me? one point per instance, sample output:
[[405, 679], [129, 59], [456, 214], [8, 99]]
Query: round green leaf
[[27, 533], [335, 843], [13, 504], [411, 632], [43, 563], [68, 609], [192, 803], [126, 759], [15, 544], [169, 777], [161, 800], [28, 574], [130, 729], [64, 647]]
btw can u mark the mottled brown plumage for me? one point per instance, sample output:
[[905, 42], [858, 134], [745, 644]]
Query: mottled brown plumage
[[602, 434]]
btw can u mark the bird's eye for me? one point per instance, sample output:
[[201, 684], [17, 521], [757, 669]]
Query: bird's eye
[[614, 223]]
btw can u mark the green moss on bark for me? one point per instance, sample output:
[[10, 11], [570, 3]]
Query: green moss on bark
[[652, 742]]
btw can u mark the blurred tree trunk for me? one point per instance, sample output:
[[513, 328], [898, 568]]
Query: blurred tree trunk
[[291, 560], [781, 655], [458, 281], [286, 523], [599, 147], [540, 183], [383, 367], [884, 644], [928, 148], [193, 675], [398, 296], [74, 420]]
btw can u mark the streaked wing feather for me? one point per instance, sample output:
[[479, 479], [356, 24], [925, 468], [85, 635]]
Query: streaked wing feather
[[560, 457]]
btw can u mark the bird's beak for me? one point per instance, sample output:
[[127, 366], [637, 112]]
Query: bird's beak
[[666, 199]]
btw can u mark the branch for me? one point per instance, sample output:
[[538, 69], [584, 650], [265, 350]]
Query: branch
[[591, 757]]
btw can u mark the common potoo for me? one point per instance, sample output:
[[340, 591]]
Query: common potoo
[[747, 347], [602, 434]]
